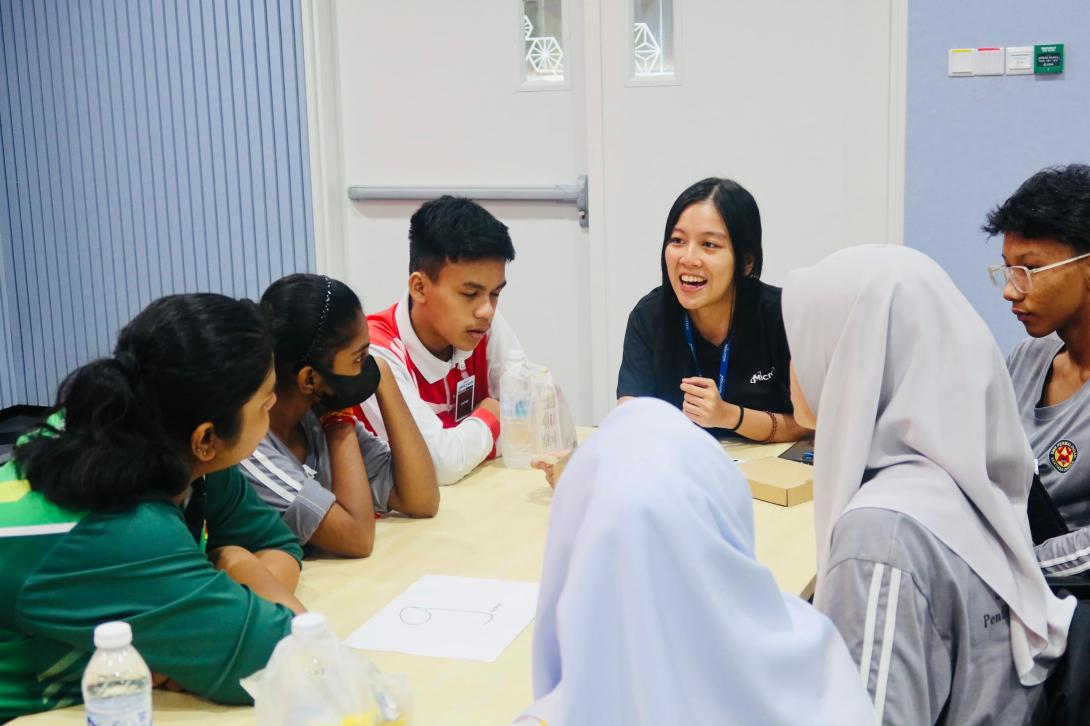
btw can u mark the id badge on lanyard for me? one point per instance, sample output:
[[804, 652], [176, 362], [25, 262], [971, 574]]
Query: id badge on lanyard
[[724, 359], [463, 397]]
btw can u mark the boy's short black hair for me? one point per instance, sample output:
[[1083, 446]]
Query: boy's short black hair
[[455, 229], [1054, 203]]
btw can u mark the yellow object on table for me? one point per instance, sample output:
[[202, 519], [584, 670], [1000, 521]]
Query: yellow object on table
[[492, 524]]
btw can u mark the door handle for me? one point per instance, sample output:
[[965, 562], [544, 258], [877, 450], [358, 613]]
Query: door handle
[[560, 194]]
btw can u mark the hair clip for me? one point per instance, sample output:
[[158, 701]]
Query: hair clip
[[322, 317]]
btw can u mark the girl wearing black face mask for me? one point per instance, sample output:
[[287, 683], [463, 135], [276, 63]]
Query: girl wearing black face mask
[[326, 474]]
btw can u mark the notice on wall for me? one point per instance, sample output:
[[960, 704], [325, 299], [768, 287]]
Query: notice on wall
[[1048, 59]]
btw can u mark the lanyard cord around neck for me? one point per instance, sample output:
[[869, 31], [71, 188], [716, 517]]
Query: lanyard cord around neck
[[724, 358]]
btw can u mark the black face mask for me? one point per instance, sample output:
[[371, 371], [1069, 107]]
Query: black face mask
[[351, 390]]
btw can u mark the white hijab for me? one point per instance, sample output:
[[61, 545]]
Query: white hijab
[[912, 396], [652, 608]]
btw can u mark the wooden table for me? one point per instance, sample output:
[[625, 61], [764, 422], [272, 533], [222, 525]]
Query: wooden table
[[492, 524]]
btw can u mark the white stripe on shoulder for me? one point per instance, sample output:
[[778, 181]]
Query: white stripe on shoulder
[[887, 643], [277, 471], [268, 481], [36, 529], [394, 354], [868, 625]]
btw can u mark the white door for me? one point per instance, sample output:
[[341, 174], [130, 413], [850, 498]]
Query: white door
[[430, 96], [797, 101]]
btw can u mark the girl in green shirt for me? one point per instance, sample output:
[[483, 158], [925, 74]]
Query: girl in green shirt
[[129, 507]]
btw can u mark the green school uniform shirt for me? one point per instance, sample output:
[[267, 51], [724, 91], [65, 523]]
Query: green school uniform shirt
[[64, 572]]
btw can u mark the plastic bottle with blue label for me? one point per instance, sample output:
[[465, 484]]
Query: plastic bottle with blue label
[[116, 682], [516, 402]]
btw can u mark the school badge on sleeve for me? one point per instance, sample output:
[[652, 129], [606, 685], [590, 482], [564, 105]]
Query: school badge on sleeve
[[1062, 455]]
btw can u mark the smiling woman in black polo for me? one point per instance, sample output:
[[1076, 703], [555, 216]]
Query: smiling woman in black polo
[[710, 339]]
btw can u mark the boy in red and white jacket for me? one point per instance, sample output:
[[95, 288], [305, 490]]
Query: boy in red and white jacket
[[444, 341]]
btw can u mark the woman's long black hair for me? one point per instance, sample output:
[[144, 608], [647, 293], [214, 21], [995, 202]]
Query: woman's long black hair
[[742, 218], [128, 419], [312, 317]]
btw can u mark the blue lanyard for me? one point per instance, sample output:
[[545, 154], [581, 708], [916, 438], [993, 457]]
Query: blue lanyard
[[724, 360]]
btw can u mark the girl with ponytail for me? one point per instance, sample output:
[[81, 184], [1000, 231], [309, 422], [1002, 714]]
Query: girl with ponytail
[[127, 505]]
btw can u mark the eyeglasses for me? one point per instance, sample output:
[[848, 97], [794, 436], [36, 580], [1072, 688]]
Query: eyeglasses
[[1021, 276]]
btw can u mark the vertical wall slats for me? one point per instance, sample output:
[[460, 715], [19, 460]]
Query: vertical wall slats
[[75, 334], [11, 373], [148, 148], [48, 174]]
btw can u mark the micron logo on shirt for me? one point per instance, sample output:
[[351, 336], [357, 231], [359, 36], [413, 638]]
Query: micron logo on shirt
[[758, 376]]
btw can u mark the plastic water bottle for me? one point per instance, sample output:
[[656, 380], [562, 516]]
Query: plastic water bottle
[[313, 692], [515, 407], [116, 682]]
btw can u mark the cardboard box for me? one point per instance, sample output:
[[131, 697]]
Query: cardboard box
[[779, 481]]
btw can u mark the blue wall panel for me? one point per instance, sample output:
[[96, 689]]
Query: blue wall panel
[[11, 376], [971, 141], [148, 148]]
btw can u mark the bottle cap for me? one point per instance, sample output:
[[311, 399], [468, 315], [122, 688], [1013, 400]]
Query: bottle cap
[[308, 625], [113, 635]]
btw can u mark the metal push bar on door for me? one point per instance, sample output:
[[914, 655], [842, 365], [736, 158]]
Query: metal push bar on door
[[562, 194]]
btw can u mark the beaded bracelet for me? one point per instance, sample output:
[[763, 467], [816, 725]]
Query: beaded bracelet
[[775, 425], [342, 416]]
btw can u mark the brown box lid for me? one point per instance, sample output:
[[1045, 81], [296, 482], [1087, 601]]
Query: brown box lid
[[779, 481]]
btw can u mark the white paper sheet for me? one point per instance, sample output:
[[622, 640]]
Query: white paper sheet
[[451, 617]]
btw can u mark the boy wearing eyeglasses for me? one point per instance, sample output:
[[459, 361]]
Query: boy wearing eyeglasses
[[1046, 278]]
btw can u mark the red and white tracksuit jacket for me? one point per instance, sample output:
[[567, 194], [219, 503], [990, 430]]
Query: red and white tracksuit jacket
[[429, 386]]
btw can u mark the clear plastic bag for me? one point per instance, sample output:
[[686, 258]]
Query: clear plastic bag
[[551, 427], [313, 679]]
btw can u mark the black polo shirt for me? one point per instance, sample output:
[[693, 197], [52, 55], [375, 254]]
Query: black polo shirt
[[758, 376]]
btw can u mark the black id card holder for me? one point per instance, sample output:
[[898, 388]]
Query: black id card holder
[[463, 398]]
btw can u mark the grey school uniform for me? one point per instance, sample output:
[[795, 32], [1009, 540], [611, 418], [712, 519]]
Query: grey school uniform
[[932, 637], [302, 491], [1059, 435]]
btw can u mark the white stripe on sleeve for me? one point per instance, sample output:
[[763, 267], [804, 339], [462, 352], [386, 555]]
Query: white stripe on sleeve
[[276, 470], [1064, 559], [255, 471], [887, 643], [868, 626], [1082, 567]]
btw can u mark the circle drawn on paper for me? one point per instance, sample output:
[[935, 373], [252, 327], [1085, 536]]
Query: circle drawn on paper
[[415, 616]]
